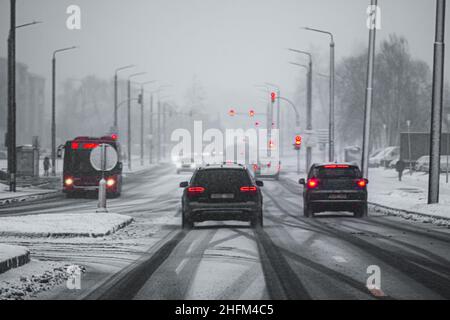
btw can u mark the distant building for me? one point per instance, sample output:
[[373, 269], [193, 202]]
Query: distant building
[[30, 103]]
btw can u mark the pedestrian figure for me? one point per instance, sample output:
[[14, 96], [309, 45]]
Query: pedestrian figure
[[400, 166], [46, 166]]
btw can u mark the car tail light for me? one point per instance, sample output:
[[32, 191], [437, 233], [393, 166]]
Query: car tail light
[[255, 167], [336, 166], [193, 191], [312, 183], [249, 189], [362, 183]]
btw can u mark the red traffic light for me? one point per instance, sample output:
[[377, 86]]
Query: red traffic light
[[273, 96], [232, 112], [298, 142], [251, 113]]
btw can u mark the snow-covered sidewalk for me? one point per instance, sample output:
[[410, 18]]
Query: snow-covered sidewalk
[[23, 194], [408, 195], [63, 225], [12, 257]]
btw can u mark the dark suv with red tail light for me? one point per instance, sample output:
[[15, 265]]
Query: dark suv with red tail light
[[222, 192], [334, 187]]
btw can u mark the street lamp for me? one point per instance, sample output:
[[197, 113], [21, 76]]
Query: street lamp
[[308, 104], [129, 115], [11, 137], [141, 100], [115, 124], [331, 153], [54, 105]]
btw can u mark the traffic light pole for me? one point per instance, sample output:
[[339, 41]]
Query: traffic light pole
[[436, 104]]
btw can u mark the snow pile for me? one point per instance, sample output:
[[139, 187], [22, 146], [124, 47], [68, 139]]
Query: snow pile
[[408, 197], [12, 257], [63, 225], [36, 279]]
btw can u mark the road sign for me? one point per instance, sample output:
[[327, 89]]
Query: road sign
[[110, 156]]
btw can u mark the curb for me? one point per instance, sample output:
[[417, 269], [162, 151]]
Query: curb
[[14, 262], [68, 234], [30, 197], [409, 215]]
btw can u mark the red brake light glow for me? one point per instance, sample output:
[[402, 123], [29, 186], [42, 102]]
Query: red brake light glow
[[312, 183], [336, 166], [195, 190], [248, 189], [90, 145], [75, 145], [362, 183]]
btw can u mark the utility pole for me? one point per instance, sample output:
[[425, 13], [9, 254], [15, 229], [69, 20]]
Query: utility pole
[[369, 95], [436, 104], [12, 169]]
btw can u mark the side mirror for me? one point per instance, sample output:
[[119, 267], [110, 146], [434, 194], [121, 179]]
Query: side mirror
[[59, 153], [184, 184], [259, 183], [120, 164], [302, 181]]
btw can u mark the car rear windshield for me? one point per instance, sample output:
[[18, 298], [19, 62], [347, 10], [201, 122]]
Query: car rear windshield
[[337, 173], [219, 178]]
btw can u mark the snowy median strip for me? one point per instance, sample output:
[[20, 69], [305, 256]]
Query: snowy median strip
[[63, 225], [12, 257], [7, 198]]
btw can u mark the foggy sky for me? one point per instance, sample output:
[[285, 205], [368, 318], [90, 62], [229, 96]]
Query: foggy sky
[[229, 45]]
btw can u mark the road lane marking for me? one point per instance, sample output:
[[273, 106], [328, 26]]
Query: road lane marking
[[181, 265], [339, 259]]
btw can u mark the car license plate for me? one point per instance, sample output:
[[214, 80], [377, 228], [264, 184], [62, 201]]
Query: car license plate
[[337, 196], [222, 196]]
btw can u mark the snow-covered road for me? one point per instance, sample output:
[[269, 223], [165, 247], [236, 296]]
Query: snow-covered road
[[329, 257]]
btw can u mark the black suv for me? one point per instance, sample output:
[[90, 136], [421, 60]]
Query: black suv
[[222, 192], [334, 187]]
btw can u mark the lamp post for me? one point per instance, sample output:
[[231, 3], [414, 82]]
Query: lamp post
[[141, 100], [115, 124], [368, 96], [436, 104], [54, 105], [331, 152], [308, 104], [129, 115], [11, 137]]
